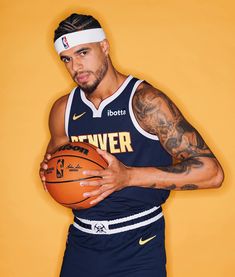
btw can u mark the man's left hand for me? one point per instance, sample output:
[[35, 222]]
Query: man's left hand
[[115, 177]]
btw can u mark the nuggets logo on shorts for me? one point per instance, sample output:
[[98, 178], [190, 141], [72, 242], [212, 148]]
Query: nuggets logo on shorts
[[65, 42], [100, 228]]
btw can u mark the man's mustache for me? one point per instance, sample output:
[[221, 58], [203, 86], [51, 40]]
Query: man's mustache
[[77, 74]]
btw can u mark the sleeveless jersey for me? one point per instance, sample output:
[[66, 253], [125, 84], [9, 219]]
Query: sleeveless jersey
[[113, 127]]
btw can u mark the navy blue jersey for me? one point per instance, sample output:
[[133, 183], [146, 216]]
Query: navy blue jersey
[[113, 127]]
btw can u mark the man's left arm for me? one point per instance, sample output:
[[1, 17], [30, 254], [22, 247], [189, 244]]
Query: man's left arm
[[196, 166]]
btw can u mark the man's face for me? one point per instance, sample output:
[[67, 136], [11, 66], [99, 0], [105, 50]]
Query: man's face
[[87, 64]]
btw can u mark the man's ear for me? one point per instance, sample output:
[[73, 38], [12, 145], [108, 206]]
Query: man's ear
[[105, 46]]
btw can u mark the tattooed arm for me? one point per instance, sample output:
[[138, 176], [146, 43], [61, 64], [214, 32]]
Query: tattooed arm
[[197, 167]]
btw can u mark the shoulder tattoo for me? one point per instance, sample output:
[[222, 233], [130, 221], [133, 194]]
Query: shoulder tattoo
[[158, 115]]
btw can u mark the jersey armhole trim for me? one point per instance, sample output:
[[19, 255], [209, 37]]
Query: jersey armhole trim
[[67, 111], [135, 123]]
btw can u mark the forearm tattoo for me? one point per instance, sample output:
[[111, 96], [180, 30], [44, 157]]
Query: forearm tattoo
[[184, 187], [158, 115], [184, 166]]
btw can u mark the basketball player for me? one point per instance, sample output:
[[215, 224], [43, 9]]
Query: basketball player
[[139, 131]]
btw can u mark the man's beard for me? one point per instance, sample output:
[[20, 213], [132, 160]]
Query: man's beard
[[99, 75]]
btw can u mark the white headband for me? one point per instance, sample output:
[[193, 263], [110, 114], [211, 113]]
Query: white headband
[[70, 40]]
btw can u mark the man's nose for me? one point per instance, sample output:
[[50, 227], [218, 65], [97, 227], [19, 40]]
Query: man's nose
[[76, 64]]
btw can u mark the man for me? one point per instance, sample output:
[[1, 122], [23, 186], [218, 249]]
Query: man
[[140, 131]]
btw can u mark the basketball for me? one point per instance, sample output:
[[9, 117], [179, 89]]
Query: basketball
[[64, 174]]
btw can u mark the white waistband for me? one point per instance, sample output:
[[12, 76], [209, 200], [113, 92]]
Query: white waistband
[[102, 227]]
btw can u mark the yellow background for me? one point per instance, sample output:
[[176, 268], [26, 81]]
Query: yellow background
[[185, 48]]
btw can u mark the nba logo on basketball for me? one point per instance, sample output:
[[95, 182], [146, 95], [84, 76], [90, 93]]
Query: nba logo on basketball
[[65, 42], [60, 168]]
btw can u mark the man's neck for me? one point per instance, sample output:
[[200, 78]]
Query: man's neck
[[107, 87]]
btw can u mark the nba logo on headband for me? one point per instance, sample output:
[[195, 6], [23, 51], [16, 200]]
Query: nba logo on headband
[[65, 43]]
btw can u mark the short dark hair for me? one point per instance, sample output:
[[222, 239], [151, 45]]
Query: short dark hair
[[76, 22]]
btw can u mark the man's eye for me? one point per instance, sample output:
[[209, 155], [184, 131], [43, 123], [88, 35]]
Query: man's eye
[[83, 53], [65, 59]]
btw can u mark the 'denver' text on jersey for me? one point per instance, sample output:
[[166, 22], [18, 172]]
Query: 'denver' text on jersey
[[118, 142]]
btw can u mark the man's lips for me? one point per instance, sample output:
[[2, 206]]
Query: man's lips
[[82, 77]]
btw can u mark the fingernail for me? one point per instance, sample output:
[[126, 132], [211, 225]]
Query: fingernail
[[86, 194]]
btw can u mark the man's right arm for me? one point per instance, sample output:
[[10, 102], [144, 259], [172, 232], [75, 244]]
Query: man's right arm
[[57, 124], [57, 131]]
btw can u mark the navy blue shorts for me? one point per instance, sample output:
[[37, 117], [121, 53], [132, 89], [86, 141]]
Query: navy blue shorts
[[135, 253]]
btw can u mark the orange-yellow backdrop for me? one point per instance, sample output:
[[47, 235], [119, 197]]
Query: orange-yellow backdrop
[[185, 48]]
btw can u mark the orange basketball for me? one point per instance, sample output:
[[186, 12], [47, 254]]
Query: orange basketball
[[64, 173]]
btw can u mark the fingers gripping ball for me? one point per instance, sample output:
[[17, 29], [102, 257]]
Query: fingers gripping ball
[[64, 173]]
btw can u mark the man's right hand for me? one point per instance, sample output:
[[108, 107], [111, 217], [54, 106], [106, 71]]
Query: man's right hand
[[43, 167]]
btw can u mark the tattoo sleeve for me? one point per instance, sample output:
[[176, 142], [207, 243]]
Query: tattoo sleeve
[[158, 115]]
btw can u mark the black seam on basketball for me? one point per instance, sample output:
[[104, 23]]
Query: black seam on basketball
[[61, 156], [70, 181], [67, 204], [95, 148]]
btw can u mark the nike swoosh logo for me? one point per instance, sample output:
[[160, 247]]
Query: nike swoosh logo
[[142, 242], [75, 117]]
